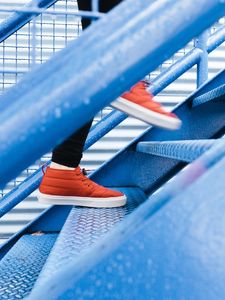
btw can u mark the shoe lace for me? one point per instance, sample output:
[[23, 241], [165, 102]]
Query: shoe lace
[[146, 83], [43, 168], [86, 180], [84, 171]]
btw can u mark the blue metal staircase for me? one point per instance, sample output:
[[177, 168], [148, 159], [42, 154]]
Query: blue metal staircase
[[168, 242], [23, 263]]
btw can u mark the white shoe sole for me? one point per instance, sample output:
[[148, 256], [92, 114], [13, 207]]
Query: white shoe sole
[[145, 114], [83, 201]]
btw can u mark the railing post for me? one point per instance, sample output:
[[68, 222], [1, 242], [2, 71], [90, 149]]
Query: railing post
[[202, 66]]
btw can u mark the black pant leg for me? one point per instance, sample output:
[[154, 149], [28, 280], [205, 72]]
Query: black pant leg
[[69, 153]]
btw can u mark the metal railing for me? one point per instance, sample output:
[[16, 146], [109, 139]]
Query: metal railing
[[196, 56]]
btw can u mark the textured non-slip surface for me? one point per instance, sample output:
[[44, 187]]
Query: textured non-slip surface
[[176, 252], [186, 151], [21, 266], [83, 228], [217, 94]]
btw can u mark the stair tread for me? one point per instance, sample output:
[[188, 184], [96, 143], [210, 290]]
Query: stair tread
[[213, 95], [186, 150], [179, 240], [21, 266], [83, 228]]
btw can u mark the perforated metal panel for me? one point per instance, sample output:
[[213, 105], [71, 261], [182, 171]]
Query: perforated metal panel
[[49, 34]]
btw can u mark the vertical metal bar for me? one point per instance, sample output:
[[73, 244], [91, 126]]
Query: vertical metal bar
[[94, 8], [95, 5], [33, 43], [202, 66]]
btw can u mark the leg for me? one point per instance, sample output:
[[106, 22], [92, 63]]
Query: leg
[[69, 153], [65, 186], [64, 183]]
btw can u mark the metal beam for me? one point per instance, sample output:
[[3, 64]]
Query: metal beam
[[46, 115], [18, 20]]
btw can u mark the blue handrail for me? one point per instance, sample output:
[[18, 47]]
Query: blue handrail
[[17, 20], [23, 190], [48, 121]]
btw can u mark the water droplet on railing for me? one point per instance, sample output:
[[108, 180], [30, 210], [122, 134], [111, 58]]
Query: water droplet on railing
[[58, 113]]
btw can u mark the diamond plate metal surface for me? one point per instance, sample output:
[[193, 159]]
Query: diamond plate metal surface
[[21, 266], [187, 150], [83, 228], [217, 94]]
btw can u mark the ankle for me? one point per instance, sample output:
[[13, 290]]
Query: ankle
[[54, 165]]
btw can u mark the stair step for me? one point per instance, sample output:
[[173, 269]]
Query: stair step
[[216, 94], [83, 228], [21, 266], [173, 246], [187, 150]]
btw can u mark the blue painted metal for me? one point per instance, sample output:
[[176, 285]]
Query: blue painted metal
[[111, 261], [21, 266], [162, 81], [205, 122], [49, 221], [95, 5], [20, 192], [35, 10], [210, 85], [217, 94], [216, 39], [41, 73], [23, 190], [175, 70], [84, 228], [202, 66], [186, 62], [113, 119], [181, 150], [109, 122], [17, 20], [48, 121]]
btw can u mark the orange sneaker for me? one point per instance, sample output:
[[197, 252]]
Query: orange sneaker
[[72, 187], [139, 103]]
